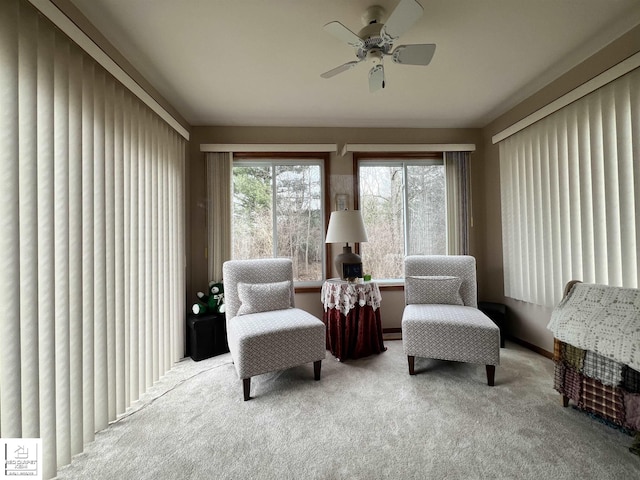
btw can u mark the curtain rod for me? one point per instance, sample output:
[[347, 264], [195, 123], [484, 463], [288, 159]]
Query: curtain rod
[[408, 147], [268, 147]]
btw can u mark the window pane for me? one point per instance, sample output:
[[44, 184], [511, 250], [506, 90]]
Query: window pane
[[392, 231], [252, 213], [299, 219], [427, 216], [381, 204], [298, 208]]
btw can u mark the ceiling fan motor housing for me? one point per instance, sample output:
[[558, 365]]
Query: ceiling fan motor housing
[[372, 39]]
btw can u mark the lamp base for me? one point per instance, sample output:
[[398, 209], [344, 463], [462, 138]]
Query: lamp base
[[348, 264]]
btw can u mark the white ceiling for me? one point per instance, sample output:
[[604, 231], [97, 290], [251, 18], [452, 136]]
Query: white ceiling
[[258, 62]]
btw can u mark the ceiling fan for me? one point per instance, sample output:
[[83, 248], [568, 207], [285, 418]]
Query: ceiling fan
[[375, 41]]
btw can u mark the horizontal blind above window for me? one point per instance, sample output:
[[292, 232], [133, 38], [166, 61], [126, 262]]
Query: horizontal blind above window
[[570, 190]]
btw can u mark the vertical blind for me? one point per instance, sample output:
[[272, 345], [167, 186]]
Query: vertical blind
[[458, 202], [219, 196], [91, 240], [570, 191]]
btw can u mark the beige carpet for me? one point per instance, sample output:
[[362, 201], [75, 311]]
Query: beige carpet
[[366, 419]]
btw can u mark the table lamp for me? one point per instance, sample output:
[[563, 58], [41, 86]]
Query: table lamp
[[347, 226]]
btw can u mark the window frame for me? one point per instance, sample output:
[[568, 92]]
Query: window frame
[[298, 158], [384, 159]]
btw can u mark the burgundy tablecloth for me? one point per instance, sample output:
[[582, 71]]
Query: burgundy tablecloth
[[358, 332], [356, 335]]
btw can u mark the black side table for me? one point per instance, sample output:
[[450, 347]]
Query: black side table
[[498, 313], [206, 336]]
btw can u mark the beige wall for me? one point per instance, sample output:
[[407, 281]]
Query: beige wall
[[341, 173], [528, 322]]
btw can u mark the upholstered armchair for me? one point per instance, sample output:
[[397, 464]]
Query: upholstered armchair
[[265, 331], [441, 319]]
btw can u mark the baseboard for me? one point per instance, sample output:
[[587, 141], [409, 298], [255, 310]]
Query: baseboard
[[396, 334], [391, 330], [391, 334], [532, 347]]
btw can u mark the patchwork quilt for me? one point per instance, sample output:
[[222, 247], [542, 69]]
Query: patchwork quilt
[[599, 385]]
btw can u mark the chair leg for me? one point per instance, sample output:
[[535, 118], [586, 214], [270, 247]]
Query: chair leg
[[565, 401], [491, 374], [412, 360], [316, 369], [246, 388]]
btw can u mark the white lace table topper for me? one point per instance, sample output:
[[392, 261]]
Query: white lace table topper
[[600, 318], [344, 296]]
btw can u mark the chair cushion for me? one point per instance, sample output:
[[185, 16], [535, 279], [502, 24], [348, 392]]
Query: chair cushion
[[263, 297], [275, 340], [438, 289], [450, 332]]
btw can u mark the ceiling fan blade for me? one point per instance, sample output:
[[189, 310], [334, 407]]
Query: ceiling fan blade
[[341, 32], [376, 78], [414, 54], [342, 68], [401, 19]]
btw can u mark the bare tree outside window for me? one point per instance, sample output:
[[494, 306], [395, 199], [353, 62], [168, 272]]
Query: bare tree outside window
[[294, 193], [426, 210], [404, 210], [381, 206]]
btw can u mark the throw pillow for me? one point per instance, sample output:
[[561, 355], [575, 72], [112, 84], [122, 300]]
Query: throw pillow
[[263, 297], [441, 290]]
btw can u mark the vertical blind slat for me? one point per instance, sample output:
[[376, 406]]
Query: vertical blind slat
[[61, 247], [119, 238], [28, 208], [148, 250], [75, 249], [99, 245], [110, 270], [141, 254], [10, 397], [635, 141], [126, 286], [612, 195], [134, 229], [88, 294], [625, 169], [46, 273], [153, 285], [584, 240]]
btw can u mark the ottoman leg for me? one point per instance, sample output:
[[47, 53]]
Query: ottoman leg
[[316, 369], [246, 388], [491, 373], [411, 359]]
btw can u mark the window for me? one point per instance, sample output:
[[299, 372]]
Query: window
[[403, 203], [278, 211]]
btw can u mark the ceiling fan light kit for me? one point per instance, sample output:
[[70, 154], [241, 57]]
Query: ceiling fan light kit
[[375, 41]]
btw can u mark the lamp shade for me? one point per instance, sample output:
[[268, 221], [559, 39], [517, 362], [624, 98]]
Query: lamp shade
[[346, 226]]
